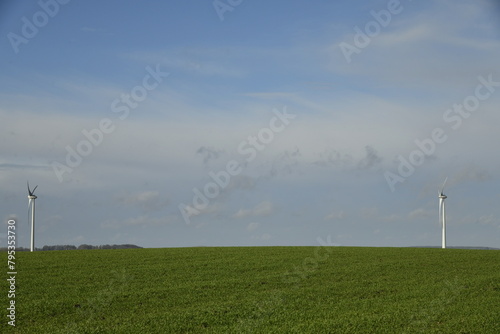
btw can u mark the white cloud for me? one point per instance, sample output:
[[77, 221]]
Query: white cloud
[[195, 61], [421, 213], [391, 218], [411, 34], [469, 174], [420, 52], [370, 213], [143, 221], [262, 209], [335, 215], [252, 227], [262, 237], [148, 201], [489, 220], [242, 213]]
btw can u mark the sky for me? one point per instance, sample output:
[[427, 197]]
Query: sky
[[250, 123]]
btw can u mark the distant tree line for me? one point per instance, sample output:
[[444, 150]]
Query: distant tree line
[[123, 246], [73, 247]]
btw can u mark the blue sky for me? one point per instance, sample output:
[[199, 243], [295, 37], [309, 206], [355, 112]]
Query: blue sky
[[315, 136]]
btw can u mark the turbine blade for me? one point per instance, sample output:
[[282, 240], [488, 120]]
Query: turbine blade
[[444, 183], [33, 191], [29, 191]]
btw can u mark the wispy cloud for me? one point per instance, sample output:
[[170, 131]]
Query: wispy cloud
[[421, 213], [262, 209], [262, 237], [252, 227], [469, 174], [352, 120], [487, 220], [202, 62], [14, 166], [336, 215], [141, 221], [147, 201], [431, 45]]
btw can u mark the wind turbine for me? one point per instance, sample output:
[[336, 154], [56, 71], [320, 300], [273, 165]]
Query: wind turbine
[[442, 215], [31, 204]]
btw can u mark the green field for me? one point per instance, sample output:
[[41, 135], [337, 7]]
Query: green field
[[256, 290]]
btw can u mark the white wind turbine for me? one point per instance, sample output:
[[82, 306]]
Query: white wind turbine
[[31, 205], [442, 215]]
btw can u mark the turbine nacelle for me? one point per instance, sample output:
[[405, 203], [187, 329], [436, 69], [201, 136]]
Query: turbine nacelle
[[31, 193]]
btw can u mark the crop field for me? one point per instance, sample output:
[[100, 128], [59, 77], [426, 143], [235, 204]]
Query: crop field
[[256, 290]]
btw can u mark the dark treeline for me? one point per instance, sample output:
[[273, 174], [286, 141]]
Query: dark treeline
[[73, 247]]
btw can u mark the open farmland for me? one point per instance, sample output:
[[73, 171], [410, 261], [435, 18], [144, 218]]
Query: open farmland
[[257, 290]]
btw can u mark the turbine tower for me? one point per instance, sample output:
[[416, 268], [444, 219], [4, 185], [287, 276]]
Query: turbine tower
[[442, 215], [31, 205]]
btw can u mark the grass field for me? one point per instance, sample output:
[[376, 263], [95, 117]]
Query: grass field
[[256, 290]]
